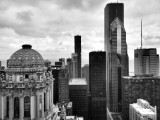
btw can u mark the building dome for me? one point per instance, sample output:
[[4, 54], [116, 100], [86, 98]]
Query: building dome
[[25, 58]]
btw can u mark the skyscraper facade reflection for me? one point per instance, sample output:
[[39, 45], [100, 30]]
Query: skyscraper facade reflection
[[116, 53]]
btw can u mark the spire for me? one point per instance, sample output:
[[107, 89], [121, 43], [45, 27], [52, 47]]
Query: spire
[[141, 33]]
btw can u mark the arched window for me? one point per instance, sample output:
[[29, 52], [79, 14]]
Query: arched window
[[16, 107], [27, 106], [7, 107]]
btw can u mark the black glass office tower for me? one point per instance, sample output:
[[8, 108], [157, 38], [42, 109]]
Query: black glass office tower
[[97, 82], [116, 53], [77, 42]]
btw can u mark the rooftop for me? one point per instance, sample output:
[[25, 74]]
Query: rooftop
[[143, 107], [142, 77], [141, 110], [78, 81]]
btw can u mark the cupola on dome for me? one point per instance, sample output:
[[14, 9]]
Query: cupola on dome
[[26, 58]]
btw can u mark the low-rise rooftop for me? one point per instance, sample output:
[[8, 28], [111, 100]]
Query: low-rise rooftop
[[78, 81]]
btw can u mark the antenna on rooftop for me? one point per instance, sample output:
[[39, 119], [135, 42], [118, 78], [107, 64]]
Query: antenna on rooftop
[[141, 33]]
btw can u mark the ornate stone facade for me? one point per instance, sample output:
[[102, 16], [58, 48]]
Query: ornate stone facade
[[26, 92]]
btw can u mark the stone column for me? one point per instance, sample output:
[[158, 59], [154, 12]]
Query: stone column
[[42, 104], [38, 105], [52, 93], [49, 102], [33, 107], [45, 101], [2, 107], [11, 107], [21, 107], [48, 99]]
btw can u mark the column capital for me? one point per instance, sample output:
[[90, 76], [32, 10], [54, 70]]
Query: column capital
[[32, 94], [21, 96]]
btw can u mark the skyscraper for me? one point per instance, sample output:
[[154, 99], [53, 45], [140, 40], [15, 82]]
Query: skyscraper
[[85, 73], [97, 79], [77, 41], [63, 85], [55, 73], [69, 67], [78, 95], [116, 53], [146, 61], [74, 65]]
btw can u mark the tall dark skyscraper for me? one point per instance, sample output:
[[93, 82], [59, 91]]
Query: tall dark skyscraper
[[116, 53], [77, 42], [97, 82], [79, 96]]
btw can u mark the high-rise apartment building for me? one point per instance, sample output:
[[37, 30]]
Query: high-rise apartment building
[[146, 87], [79, 96], [146, 61], [116, 53], [85, 73], [77, 41], [142, 110], [97, 81]]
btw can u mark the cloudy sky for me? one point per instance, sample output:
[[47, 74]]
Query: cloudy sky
[[50, 25]]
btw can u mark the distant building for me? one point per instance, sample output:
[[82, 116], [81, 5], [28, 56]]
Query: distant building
[[116, 53], [85, 73], [142, 110], [79, 96], [68, 106], [77, 42], [27, 91], [146, 61], [145, 87], [55, 72], [63, 113], [74, 65], [70, 68], [63, 85], [47, 63], [97, 82], [63, 62], [58, 63], [7, 62]]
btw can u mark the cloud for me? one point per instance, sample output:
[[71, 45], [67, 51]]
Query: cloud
[[79, 4], [25, 16], [50, 25], [141, 8]]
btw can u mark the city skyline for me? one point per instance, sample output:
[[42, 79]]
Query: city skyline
[[50, 28]]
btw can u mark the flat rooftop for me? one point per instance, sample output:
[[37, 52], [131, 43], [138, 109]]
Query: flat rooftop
[[141, 110], [78, 81], [141, 77]]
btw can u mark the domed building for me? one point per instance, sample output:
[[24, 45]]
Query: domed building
[[26, 93]]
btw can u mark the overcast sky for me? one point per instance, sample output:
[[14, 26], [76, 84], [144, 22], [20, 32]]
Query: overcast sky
[[50, 25]]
